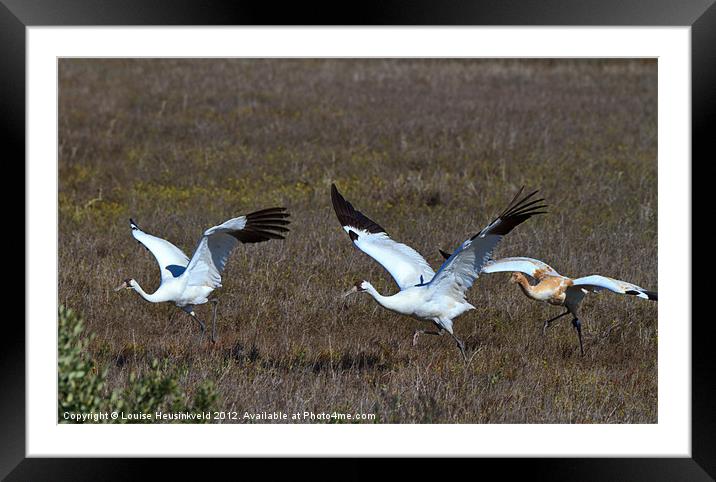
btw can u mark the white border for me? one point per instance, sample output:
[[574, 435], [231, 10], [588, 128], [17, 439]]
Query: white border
[[670, 437]]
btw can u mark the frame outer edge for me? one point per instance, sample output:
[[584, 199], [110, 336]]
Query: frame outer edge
[[703, 117], [12, 133], [370, 12], [12, 115]]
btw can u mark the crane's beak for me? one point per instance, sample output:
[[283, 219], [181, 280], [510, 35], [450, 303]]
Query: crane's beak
[[350, 292], [120, 287]]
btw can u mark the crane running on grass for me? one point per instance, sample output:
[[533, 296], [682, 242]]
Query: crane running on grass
[[188, 283], [555, 289], [439, 297]]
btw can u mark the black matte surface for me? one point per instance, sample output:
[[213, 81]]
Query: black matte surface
[[383, 12], [703, 91], [12, 140], [582, 470]]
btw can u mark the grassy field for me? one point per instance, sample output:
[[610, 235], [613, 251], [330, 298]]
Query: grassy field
[[431, 150]]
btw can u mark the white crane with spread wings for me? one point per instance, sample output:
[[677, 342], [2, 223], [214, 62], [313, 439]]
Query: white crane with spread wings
[[425, 295], [189, 282]]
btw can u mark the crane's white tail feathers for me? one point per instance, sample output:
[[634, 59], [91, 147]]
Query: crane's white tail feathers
[[263, 225], [446, 325]]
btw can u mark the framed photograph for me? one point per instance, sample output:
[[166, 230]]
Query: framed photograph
[[317, 196]]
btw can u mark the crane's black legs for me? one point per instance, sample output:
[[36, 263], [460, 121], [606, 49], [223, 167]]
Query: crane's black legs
[[440, 332], [546, 323], [213, 323], [190, 311], [578, 326], [425, 332], [201, 325], [460, 345], [575, 323]]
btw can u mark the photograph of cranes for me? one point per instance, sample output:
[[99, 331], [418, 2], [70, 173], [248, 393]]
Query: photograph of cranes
[[255, 206]]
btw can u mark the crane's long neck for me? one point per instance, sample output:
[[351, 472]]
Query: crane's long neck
[[389, 302], [152, 298], [525, 286]]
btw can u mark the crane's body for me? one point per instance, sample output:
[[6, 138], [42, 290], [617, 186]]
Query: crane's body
[[177, 291], [422, 303], [437, 298], [551, 289], [190, 282], [556, 289]]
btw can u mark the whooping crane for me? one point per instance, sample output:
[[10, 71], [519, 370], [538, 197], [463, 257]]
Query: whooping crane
[[559, 290], [186, 282], [425, 295]]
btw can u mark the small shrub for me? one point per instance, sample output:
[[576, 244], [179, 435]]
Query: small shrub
[[82, 386]]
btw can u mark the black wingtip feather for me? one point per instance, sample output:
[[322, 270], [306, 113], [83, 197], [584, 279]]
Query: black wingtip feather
[[444, 254], [264, 225], [518, 211], [349, 216], [652, 295], [278, 211]]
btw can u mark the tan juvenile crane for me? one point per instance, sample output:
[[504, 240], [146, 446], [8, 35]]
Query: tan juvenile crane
[[558, 290]]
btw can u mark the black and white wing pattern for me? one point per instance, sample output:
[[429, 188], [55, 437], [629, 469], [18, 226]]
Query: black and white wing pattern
[[529, 266], [459, 271], [406, 266], [211, 254], [597, 282], [172, 260]]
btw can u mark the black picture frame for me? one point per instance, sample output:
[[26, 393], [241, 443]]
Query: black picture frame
[[700, 15]]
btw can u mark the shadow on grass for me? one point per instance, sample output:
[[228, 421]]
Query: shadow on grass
[[322, 362]]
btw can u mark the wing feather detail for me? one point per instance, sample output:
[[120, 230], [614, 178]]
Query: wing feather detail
[[405, 265], [597, 283], [216, 244], [529, 266], [459, 271], [164, 252]]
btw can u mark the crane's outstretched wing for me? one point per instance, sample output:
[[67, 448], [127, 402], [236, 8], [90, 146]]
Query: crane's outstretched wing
[[459, 271], [596, 283], [404, 264], [172, 260], [210, 257], [529, 266]]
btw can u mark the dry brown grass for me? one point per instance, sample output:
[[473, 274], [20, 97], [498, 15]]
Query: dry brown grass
[[431, 149]]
